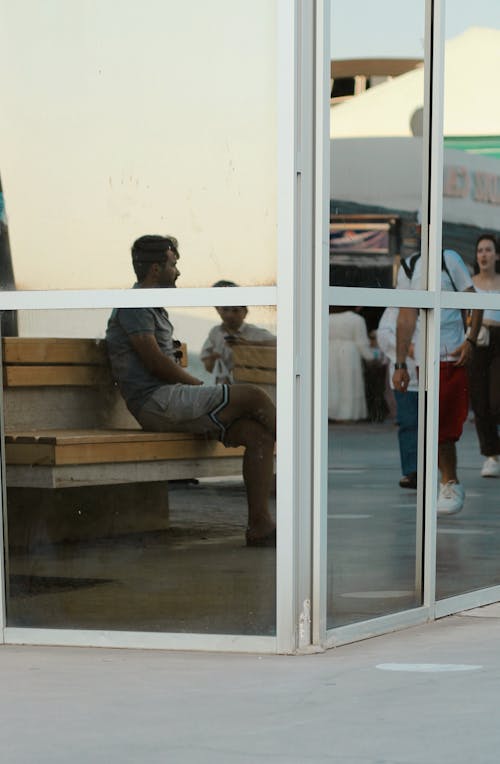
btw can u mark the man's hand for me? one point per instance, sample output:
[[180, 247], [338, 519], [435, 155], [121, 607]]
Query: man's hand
[[209, 361], [233, 339], [464, 354], [401, 380]]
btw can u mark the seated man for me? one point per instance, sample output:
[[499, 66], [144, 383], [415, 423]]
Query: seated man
[[163, 396]]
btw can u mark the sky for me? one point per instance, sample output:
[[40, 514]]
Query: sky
[[394, 28]]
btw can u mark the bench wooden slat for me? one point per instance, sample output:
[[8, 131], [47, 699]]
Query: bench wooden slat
[[97, 453], [30, 453], [55, 376], [47, 362], [106, 453], [255, 364], [76, 437], [100, 447], [256, 376], [254, 356], [43, 350]]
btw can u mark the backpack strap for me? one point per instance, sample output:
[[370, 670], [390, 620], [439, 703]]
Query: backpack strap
[[409, 263], [444, 268]]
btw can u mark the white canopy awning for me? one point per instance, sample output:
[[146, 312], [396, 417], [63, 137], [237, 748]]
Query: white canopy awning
[[471, 106]]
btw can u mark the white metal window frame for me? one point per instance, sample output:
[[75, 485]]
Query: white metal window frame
[[292, 53]]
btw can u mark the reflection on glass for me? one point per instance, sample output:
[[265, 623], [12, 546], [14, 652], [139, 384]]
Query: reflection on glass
[[468, 539], [8, 318], [471, 146], [485, 367], [131, 144], [463, 566], [110, 526], [374, 532], [376, 120]]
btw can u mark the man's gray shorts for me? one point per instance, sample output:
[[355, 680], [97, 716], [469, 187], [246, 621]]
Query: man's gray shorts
[[186, 408]]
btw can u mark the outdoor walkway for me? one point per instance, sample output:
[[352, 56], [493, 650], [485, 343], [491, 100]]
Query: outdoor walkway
[[93, 706]]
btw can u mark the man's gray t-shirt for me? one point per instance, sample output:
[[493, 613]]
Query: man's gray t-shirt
[[136, 383]]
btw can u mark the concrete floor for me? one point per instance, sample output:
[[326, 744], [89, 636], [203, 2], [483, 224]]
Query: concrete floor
[[60, 705]]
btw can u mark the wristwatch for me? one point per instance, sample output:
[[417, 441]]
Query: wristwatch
[[400, 365]]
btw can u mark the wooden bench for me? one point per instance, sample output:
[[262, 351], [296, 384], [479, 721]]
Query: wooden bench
[[77, 463], [256, 364]]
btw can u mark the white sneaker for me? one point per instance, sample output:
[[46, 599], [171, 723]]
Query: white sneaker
[[491, 467], [451, 498]]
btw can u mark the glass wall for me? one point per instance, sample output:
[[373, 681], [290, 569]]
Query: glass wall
[[468, 528], [156, 118], [167, 120], [375, 522], [376, 126], [110, 526]]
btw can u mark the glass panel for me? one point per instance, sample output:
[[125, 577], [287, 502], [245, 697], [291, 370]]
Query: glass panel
[[471, 191], [7, 317], [134, 122], [376, 128], [374, 529], [110, 526], [468, 528]]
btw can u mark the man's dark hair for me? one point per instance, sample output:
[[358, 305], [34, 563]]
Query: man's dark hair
[[151, 249], [486, 237]]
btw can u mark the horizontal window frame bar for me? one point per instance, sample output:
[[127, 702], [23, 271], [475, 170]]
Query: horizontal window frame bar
[[137, 298], [467, 601], [470, 300], [354, 632], [397, 298], [140, 640]]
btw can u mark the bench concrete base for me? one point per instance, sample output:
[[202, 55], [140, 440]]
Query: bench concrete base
[[44, 516]]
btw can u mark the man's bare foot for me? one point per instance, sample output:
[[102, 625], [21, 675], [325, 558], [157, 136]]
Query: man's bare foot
[[268, 540]]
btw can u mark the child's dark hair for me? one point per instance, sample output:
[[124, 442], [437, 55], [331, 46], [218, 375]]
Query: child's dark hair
[[223, 283]]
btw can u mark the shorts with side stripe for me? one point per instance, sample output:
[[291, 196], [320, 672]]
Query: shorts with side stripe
[[185, 408]]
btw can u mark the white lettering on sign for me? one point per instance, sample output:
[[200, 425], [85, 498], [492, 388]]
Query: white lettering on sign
[[456, 182], [486, 188], [482, 187]]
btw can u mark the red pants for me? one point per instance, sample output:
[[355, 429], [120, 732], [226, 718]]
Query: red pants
[[453, 401]]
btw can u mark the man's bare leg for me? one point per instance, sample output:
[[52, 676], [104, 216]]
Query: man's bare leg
[[250, 402], [258, 463]]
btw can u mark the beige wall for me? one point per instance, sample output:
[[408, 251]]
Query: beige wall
[[124, 118]]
